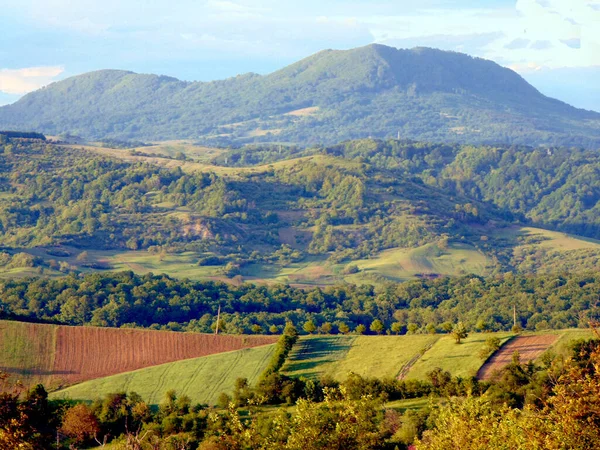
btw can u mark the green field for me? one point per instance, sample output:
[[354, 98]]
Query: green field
[[460, 360], [411, 356], [28, 350], [400, 264], [202, 379], [337, 356]]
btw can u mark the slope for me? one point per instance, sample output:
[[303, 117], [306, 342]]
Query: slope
[[201, 379], [369, 91], [63, 355]]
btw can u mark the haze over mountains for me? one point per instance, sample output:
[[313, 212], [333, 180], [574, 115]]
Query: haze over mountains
[[376, 91]]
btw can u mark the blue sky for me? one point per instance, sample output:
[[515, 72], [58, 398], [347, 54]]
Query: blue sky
[[554, 44]]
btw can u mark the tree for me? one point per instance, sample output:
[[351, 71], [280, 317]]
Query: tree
[[360, 329], [326, 327], [257, 329], [459, 332], [80, 423], [412, 328], [376, 326], [273, 329], [309, 327], [430, 328], [492, 344], [397, 327], [344, 328]]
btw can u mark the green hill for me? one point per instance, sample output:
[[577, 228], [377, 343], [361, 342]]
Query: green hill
[[333, 95]]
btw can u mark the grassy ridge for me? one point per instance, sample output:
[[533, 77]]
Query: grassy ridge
[[202, 379]]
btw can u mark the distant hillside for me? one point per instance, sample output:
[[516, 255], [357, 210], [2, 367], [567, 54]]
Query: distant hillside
[[361, 211], [333, 95]]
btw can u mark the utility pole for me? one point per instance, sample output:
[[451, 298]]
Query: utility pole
[[218, 319]]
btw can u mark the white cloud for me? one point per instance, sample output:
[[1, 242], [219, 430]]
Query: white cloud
[[22, 81]]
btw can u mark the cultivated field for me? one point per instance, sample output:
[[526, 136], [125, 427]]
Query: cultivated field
[[201, 379], [460, 360], [62, 355], [529, 348]]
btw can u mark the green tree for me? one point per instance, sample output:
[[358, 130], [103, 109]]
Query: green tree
[[459, 332], [377, 326], [309, 326], [397, 327]]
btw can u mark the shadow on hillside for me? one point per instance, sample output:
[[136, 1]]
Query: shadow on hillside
[[30, 372], [314, 352]]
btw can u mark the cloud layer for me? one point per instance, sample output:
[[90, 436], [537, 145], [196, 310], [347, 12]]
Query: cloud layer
[[22, 81]]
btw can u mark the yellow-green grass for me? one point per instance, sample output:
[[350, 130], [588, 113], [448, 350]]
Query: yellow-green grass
[[458, 359], [404, 263], [314, 356], [373, 356], [201, 379], [28, 350], [180, 265], [560, 241], [562, 346], [412, 404]]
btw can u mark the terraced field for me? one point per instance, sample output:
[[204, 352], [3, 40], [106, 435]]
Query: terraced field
[[201, 379]]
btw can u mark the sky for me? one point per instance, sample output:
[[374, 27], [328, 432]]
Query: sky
[[553, 44]]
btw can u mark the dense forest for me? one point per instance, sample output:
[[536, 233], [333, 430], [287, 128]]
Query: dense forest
[[344, 202], [377, 91], [422, 306]]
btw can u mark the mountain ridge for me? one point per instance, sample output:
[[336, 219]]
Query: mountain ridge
[[375, 90]]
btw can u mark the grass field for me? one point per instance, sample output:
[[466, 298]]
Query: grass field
[[202, 379], [408, 356], [337, 356], [400, 264], [27, 351], [460, 360]]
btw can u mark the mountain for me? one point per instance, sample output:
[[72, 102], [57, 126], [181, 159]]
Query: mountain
[[376, 91]]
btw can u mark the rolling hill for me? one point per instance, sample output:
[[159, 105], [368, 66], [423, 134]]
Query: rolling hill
[[63, 355], [404, 357], [377, 91]]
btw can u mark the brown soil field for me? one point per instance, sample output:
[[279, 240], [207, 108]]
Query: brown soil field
[[63, 355], [529, 348]]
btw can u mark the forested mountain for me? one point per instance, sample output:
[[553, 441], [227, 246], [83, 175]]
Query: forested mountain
[[375, 91]]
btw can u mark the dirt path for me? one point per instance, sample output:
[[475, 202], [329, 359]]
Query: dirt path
[[406, 367], [529, 348]]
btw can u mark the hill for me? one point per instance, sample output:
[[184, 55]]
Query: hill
[[201, 379], [62, 355], [378, 91], [362, 211]]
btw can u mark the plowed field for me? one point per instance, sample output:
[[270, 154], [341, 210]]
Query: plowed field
[[529, 348], [61, 355]]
